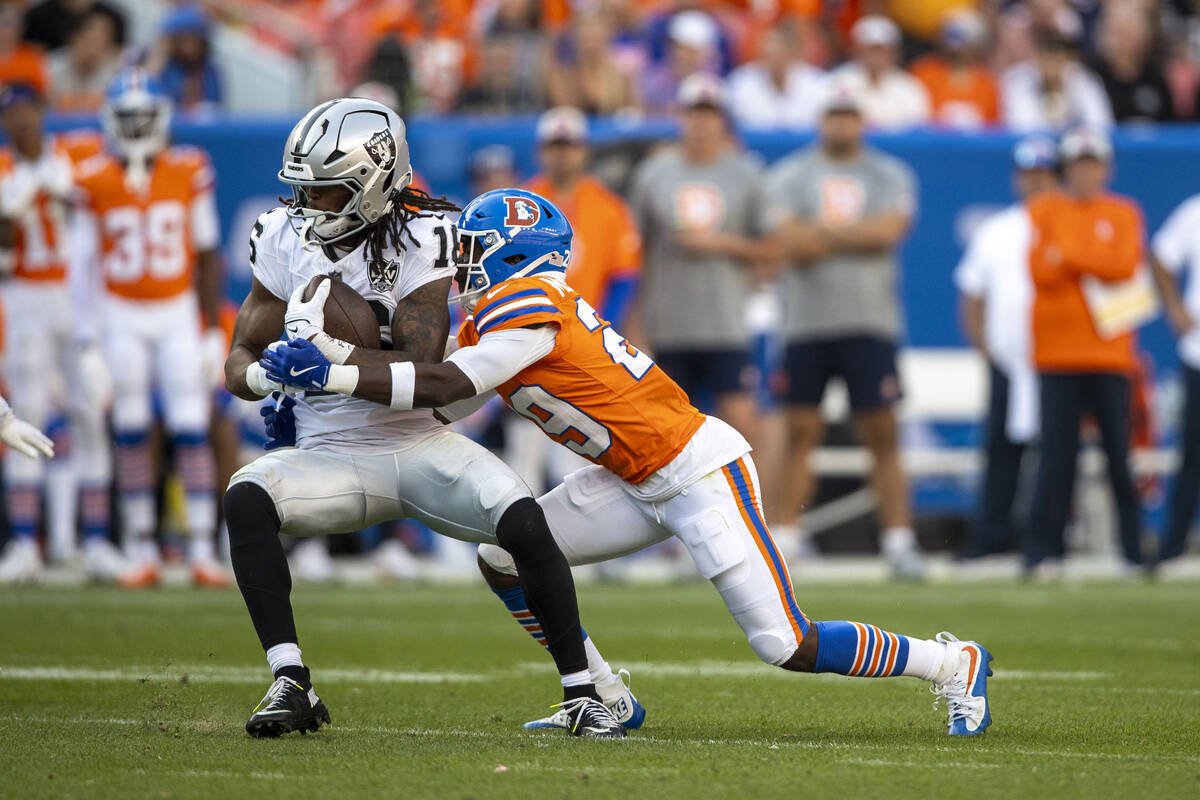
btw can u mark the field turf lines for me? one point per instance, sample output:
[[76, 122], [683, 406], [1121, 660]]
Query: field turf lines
[[112, 694]]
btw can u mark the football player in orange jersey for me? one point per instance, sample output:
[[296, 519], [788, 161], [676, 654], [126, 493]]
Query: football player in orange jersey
[[47, 373], [146, 238], [660, 467]]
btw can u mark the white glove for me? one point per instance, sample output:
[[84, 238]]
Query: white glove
[[54, 174], [260, 384], [94, 377], [18, 191], [23, 437], [305, 319], [213, 350]]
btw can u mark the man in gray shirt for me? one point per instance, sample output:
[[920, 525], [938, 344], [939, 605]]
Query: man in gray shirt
[[839, 211], [698, 204]]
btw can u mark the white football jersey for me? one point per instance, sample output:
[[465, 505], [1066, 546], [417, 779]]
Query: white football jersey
[[281, 263]]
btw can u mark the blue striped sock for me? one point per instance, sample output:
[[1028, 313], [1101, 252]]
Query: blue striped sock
[[852, 648], [514, 601], [24, 503]]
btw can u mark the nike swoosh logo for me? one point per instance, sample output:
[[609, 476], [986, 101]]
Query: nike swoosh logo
[[296, 374]]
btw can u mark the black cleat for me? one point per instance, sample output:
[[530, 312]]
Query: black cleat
[[588, 717], [287, 707]]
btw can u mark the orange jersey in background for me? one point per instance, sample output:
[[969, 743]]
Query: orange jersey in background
[[1072, 239], [971, 99], [38, 252], [146, 248], [594, 393], [606, 244]]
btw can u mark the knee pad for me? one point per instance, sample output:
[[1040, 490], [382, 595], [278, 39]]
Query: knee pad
[[249, 513], [498, 559], [523, 530], [767, 642]]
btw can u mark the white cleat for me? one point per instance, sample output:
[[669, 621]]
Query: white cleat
[[394, 561], [966, 689], [311, 562], [102, 561], [22, 563]]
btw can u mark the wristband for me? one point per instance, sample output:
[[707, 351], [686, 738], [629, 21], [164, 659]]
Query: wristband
[[342, 379], [404, 385], [335, 350], [258, 382]]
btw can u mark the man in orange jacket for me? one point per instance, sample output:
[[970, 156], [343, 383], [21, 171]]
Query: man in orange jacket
[[1079, 234]]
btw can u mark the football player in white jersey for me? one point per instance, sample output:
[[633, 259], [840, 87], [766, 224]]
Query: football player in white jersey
[[357, 463]]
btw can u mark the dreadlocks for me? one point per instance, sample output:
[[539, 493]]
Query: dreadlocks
[[407, 204]]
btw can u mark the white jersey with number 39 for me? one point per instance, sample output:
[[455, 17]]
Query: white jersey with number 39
[[281, 263]]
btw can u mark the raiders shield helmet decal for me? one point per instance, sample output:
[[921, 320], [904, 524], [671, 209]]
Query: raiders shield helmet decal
[[382, 276], [382, 149]]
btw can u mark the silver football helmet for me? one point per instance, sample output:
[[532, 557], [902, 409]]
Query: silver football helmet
[[350, 142]]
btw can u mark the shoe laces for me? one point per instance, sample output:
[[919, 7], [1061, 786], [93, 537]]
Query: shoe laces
[[578, 707], [953, 690], [274, 698]]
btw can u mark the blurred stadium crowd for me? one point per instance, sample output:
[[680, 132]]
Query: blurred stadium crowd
[[751, 286]]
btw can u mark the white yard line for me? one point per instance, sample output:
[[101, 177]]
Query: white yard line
[[637, 738]]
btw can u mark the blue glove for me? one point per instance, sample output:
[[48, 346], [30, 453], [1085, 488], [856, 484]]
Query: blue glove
[[297, 363], [280, 420]]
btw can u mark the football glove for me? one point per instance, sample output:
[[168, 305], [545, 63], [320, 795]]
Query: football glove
[[280, 421], [306, 318], [297, 363], [23, 437]]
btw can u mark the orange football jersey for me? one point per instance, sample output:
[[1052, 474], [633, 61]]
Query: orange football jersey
[[145, 247], [594, 393], [38, 251]]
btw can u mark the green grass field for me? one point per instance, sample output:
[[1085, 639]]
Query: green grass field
[[109, 694]]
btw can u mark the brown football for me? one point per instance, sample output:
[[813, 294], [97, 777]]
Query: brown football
[[348, 316]]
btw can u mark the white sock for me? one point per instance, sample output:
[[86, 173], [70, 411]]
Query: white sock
[[575, 678], [899, 539], [201, 550], [284, 655], [925, 658], [598, 668]]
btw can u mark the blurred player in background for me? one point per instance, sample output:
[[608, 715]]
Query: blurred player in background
[[699, 206], [146, 242], [660, 468], [1175, 250], [841, 210], [1081, 234], [46, 372], [993, 279]]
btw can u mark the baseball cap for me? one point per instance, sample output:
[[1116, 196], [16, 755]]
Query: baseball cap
[[1085, 142], [840, 98], [693, 29], [1035, 152], [16, 93], [874, 29], [701, 89], [562, 124], [963, 26], [187, 18]]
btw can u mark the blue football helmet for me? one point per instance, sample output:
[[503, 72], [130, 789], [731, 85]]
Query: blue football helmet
[[509, 233], [136, 114]]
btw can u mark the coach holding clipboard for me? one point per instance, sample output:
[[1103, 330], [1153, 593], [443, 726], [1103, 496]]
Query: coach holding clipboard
[[1090, 292]]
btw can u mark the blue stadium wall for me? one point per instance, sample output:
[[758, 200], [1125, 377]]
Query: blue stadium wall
[[961, 178]]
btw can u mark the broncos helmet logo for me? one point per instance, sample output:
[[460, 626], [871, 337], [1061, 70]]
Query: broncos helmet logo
[[522, 212]]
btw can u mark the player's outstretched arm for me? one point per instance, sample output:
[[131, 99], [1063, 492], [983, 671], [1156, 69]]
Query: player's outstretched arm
[[259, 323], [496, 359]]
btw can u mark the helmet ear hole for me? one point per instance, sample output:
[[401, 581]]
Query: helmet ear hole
[[513, 260]]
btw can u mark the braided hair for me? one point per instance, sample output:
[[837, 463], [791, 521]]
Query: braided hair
[[408, 204]]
